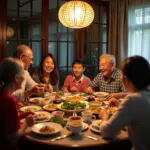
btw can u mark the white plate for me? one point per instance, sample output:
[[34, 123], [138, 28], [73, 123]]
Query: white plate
[[42, 116], [100, 94], [74, 98], [95, 127], [66, 110], [36, 99], [40, 100], [50, 107], [53, 93], [30, 108], [85, 126], [57, 127], [67, 94]]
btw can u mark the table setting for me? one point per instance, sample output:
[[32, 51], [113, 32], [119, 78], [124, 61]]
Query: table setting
[[71, 121]]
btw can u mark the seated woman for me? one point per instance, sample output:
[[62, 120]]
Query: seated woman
[[77, 82], [134, 111], [11, 77], [48, 73]]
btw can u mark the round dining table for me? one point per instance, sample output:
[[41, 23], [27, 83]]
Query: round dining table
[[35, 141]]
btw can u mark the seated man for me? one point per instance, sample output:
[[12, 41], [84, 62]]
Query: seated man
[[29, 87], [77, 82], [108, 80]]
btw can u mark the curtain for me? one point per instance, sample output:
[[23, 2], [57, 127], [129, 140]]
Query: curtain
[[139, 29], [118, 25]]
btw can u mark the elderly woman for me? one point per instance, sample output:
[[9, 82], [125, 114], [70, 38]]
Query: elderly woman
[[48, 73], [134, 111], [11, 77]]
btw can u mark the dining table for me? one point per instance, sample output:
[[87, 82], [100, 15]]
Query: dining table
[[88, 139]]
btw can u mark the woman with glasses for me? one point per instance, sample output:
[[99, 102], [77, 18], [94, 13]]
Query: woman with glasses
[[134, 111], [11, 78]]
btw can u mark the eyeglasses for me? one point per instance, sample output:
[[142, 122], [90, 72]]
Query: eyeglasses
[[30, 58]]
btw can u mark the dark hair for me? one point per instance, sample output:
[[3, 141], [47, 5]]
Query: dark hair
[[54, 75], [78, 61], [137, 70]]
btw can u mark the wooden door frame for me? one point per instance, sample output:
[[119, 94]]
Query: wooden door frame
[[3, 25]]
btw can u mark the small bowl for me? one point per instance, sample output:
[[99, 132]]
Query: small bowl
[[91, 98], [58, 113], [57, 101]]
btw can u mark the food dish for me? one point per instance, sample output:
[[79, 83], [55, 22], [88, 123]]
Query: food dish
[[84, 127], [47, 128], [36, 100], [73, 106], [74, 98], [30, 108], [100, 94], [112, 109], [42, 116], [95, 126], [50, 107], [40, 100]]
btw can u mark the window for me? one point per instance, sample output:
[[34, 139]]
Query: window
[[95, 43], [61, 41], [35, 23], [139, 31], [24, 17]]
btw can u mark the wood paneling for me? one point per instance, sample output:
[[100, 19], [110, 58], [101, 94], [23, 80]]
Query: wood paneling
[[3, 10]]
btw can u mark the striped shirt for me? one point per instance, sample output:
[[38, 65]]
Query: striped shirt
[[110, 85]]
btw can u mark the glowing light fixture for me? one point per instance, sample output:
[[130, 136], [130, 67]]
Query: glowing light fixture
[[76, 14], [10, 32]]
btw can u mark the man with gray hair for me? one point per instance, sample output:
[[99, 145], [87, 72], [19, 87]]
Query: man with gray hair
[[108, 80], [29, 86]]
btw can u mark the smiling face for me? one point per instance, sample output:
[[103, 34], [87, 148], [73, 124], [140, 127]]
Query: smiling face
[[26, 57], [48, 65], [106, 67], [78, 70]]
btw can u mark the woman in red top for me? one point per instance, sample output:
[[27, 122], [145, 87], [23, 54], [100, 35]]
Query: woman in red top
[[11, 77]]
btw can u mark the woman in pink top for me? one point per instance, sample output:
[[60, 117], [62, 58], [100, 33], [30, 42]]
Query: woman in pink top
[[77, 82]]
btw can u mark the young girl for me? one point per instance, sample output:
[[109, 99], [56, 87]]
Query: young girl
[[11, 77], [77, 82]]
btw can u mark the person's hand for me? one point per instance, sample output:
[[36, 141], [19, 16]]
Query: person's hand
[[48, 88], [38, 89], [117, 95], [89, 90], [23, 115], [113, 95], [113, 102], [73, 89], [20, 104], [104, 114], [30, 120], [65, 90]]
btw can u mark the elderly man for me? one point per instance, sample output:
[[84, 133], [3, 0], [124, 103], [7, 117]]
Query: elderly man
[[29, 86], [108, 80]]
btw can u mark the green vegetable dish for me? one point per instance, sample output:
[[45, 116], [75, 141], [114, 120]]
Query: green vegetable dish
[[59, 120], [73, 105]]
